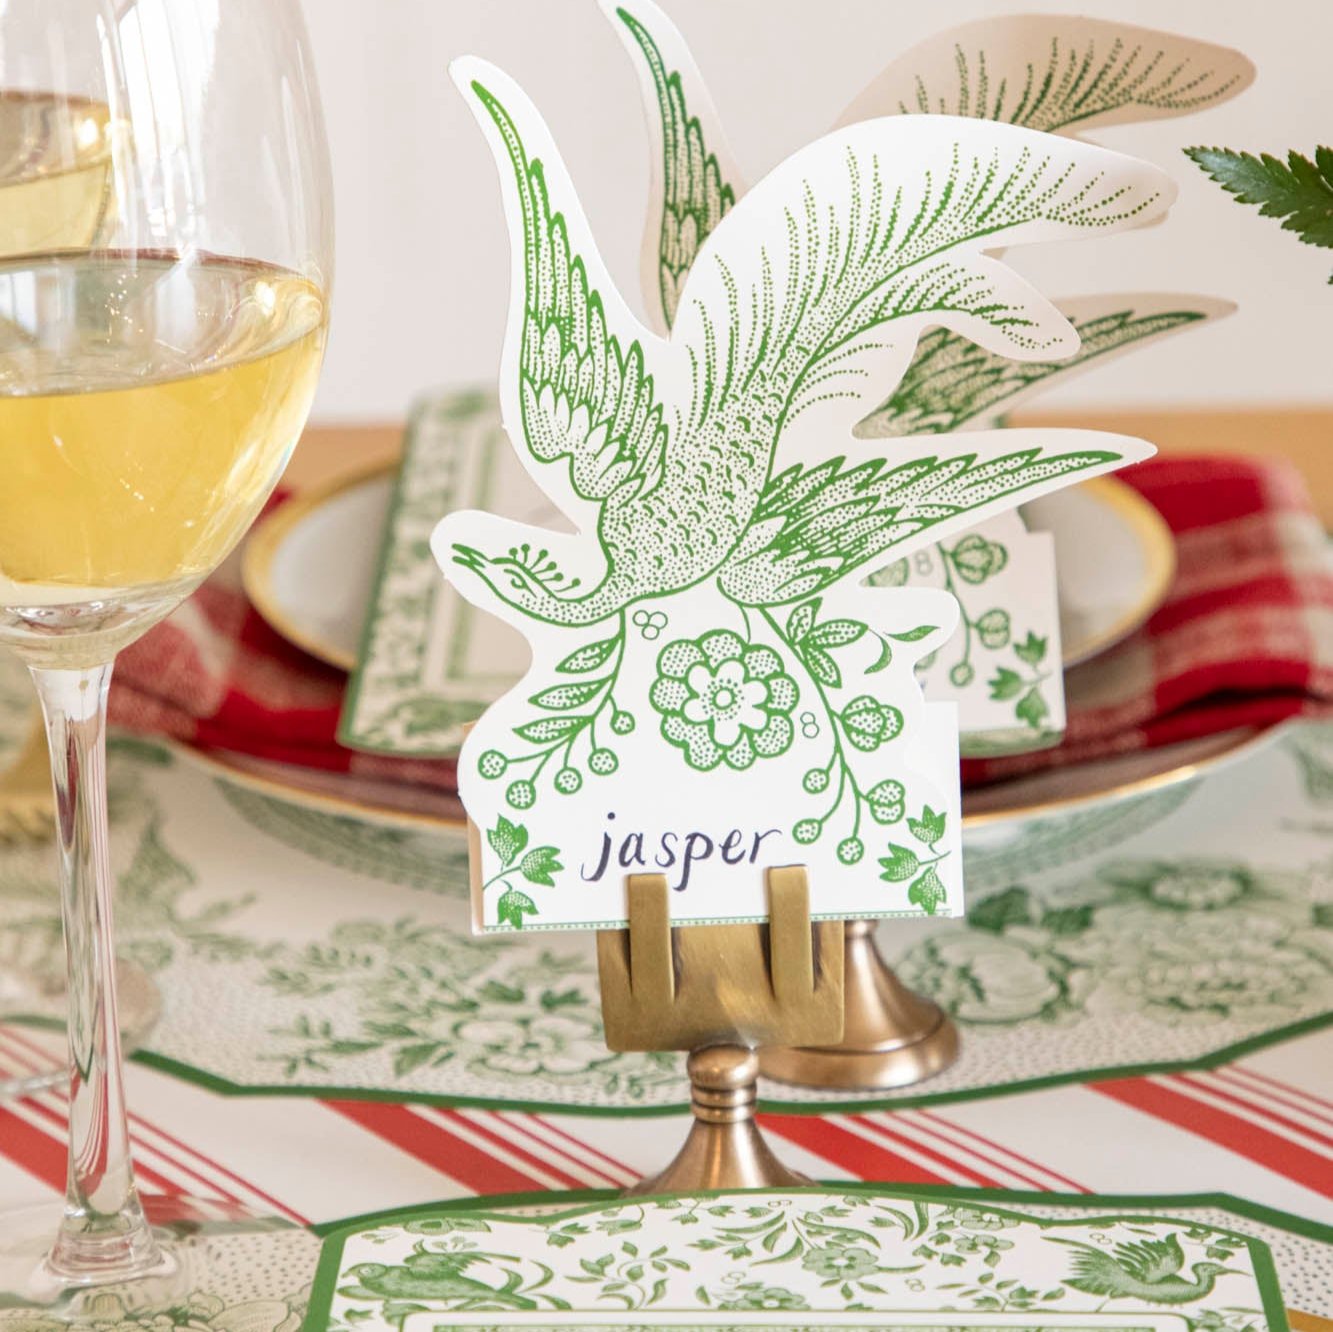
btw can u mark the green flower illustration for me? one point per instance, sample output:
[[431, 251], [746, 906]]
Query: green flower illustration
[[834, 1264], [753, 1295], [977, 559], [981, 977], [1185, 885], [975, 1218], [981, 1244], [721, 698], [198, 1311], [522, 1047], [1222, 965]]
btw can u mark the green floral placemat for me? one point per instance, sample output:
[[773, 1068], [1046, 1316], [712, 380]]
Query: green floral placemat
[[234, 1277], [875, 1256], [426, 661], [305, 950]]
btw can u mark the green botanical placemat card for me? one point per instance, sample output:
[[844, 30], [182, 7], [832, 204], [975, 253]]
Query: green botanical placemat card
[[869, 1258], [429, 663]]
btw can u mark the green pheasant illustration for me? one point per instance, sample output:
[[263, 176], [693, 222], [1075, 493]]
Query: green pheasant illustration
[[715, 486], [437, 1276], [674, 445], [1147, 1270]]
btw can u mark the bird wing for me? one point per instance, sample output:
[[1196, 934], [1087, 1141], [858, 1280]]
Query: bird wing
[[952, 383], [1050, 72], [1046, 72], [583, 364], [1151, 1261], [1096, 1272], [817, 284], [695, 178], [819, 523]]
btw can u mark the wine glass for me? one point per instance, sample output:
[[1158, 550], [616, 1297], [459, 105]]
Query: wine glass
[[166, 242], [56, 194]]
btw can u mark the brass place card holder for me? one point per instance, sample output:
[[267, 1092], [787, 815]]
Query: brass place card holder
[[891, 1036], [719, 991]]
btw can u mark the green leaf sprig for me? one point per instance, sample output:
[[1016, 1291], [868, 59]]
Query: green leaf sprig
[[1299, 191], [540, 865]]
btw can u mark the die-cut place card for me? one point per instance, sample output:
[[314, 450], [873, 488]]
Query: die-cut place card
[[715, 689], [705, 636], [866, 1257], [1060, 73]]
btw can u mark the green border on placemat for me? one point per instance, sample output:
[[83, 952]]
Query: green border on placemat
[[767, 1104], [1101, 1208], [346, 735]]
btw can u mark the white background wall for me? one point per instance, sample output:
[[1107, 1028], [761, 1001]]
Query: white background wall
[[422, 267]]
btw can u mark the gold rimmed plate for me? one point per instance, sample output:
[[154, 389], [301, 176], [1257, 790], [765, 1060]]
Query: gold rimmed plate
[[309, 568], [1115, 558], [989, 812], [1060, 791]]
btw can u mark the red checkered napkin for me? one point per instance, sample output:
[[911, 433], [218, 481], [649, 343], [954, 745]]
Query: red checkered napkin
[[1245, 638]]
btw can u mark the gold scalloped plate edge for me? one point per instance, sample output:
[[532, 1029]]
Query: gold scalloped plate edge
[[1158, 545], [261, 550], [265, 541]]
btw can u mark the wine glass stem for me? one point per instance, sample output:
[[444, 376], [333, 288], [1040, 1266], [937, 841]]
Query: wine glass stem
[[103, 1234]]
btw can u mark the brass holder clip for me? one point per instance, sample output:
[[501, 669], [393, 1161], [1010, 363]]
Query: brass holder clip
[[719, 991], [891, 1037]]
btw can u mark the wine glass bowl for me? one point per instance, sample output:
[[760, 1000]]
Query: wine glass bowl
[[56, 178], [147, 406], [165, 265]]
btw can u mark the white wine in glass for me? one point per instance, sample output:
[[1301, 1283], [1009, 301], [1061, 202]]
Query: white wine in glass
[[56, 195], [165, 266], [56, 182], [146, 407]]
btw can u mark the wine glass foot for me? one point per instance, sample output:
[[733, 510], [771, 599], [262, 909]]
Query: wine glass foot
[[35, 1058], [208, 1257]]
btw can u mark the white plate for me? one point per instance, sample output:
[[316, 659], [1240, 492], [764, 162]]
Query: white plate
[[310, 568], [1114, 557]]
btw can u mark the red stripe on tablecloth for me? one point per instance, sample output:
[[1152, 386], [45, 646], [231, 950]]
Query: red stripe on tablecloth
[[435, 1146], [33, 1150], [882, 1128], [865, 1160], [620, 1173], [1297, 1094], [1001, 1154], [143, 1174], [1256, 1104], [1241, 1136], [30, 1055], [582, 1159], [209, 1163], [509, 1143]]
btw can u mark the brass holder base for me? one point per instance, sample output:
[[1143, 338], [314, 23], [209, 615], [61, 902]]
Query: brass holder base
[[725, 1149], [891, 1036], [717, 991]]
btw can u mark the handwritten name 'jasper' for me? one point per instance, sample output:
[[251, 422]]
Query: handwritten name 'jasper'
[[669, 850]]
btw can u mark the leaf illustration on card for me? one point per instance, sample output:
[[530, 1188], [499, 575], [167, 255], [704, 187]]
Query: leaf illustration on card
[[720, 502], [953, 383], [1055, 73]]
